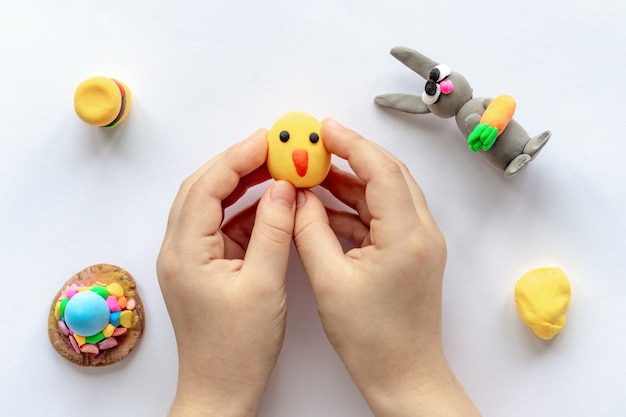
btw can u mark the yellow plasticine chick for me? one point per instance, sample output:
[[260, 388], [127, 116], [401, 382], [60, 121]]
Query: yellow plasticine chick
[[296, 151], [542, 297]]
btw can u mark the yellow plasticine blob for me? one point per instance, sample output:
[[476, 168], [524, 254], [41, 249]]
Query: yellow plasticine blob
[[128, 319], [108, 330], [542, 297], [296, 151], [115, 289], [57, 310], [81, 340]]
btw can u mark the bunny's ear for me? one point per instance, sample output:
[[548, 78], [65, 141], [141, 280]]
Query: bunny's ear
[[414, 60], [403, 102]]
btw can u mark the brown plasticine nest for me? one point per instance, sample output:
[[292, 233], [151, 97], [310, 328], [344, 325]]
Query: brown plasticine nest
[[100, 274]]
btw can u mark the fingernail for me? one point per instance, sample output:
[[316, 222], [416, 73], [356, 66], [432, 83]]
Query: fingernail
[[258, 132], [332, 123], [283, 193], [300, 198]]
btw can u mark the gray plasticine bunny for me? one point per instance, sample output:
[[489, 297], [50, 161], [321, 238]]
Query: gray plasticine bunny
[[448, 94]]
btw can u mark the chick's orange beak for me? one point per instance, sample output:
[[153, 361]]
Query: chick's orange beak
[[300, 159]]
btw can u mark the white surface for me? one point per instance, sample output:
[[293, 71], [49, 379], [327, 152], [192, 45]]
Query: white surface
[[206, 74]]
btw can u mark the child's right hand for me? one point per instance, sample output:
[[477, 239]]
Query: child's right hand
[[380, 303]]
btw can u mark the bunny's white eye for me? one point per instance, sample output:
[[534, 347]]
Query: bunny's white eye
[[430, 99], [439, 73]]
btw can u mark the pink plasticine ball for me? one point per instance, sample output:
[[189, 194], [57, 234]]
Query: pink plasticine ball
[[446, 86]]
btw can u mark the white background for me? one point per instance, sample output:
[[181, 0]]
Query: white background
[[206, 74]]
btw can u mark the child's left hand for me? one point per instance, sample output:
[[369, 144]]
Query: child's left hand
[[224, 285]]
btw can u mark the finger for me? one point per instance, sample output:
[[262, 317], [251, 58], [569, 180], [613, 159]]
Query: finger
[[320, 251], [201, 214], [239, 228], [259, 175], [348, 189], [268, 250], [183, 191], [348, 226], [417, 194], [387, 193]]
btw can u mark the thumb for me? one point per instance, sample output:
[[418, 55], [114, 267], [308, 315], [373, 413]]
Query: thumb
[[268, 251], [319, 249]]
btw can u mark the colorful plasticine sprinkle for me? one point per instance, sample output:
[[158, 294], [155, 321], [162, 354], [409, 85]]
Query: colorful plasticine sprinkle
[[100, 291], [127, 319], [57, 310], [63, 328], [108, 343], [96, 338], [115, 319], [119, 331], [80, 340], [62, 306], [91, 349], [71, 291], [115, 289], [74, 344], [113, 304], [108, 331]]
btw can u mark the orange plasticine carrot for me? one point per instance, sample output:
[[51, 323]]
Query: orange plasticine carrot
[[499, 112]]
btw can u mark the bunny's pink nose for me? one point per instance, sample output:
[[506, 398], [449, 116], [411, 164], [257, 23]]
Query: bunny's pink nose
[[447, 86]]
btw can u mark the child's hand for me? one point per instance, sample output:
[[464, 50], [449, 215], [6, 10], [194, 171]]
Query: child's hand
[[380, 303], [224, 286]]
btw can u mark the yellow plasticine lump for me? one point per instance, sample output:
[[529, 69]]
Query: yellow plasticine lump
[[115, 289], [542, 297], [296, 151]]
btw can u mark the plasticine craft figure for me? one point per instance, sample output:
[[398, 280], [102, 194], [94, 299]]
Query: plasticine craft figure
[[487, 123], [102, 101], [296, 151]]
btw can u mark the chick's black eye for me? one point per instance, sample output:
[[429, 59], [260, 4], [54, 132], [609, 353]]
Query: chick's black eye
[[314, 137], [284, 136]]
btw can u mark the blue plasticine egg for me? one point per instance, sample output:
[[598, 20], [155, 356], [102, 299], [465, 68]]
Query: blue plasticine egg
[[87, 313]]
